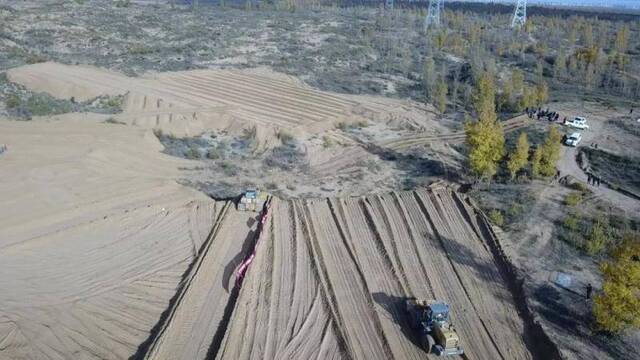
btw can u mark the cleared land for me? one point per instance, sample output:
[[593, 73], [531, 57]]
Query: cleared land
[[94, 241], [120, 260], [331, 277], [190, 102]]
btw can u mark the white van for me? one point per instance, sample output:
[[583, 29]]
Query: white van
[[578, 122]]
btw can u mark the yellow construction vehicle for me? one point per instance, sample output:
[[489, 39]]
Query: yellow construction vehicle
[[252, 200], [430, 318]]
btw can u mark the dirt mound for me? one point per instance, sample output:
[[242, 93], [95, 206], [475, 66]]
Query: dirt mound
[[189, 103]]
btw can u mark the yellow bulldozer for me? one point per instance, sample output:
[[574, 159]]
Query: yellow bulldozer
[[252, 200], [430, 319]]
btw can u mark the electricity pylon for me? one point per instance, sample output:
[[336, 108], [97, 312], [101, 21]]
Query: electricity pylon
[[433, 14], [520, 15]]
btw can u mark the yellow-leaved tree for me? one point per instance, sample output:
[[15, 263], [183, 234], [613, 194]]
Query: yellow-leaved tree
[[550, 152], [485, 136], [617, 308], [518, 159]]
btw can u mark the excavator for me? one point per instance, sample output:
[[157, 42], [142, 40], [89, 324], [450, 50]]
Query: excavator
[[430, 319]]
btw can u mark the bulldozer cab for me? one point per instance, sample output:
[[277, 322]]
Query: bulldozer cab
[[437, 334], [438, 313]]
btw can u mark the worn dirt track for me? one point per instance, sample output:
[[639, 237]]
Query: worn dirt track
[[416, 140], [330, 278]]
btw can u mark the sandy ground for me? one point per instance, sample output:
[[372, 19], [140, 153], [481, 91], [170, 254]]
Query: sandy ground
[[332, 277], [190, 102], [196, 320], [104, 255], [96, 235]]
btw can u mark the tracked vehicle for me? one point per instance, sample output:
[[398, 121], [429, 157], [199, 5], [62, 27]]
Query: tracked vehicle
[[430, 319], [252, 200]]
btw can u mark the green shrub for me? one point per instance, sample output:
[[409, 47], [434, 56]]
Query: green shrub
[[13, 101], [496, 217], [580, 186], [35, 59], [571, 222], [573, 198], [192, 154], [229, 168], [345, 126], [617, 307], [596, 240], [327, 142], [213, 154]]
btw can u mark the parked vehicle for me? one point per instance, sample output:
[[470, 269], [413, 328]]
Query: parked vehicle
[[573, 139], [578, 122]]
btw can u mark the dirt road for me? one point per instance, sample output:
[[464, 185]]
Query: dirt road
[[569, 166]]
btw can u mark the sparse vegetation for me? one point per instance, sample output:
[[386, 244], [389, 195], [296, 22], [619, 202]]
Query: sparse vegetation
[[623, 171], [24, 104], [597, 239], [573, 198], [496, 217], [346, 126], [327, 141], [617, 308]]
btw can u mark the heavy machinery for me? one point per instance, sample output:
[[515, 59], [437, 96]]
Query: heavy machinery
[[430, 318], [252, 200]]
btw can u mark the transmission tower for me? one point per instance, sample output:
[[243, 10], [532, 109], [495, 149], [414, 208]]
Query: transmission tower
[[433, 14], [520, 15]]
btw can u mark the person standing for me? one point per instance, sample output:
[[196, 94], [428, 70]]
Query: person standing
[[589, 291]]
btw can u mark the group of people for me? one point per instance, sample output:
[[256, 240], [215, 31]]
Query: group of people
[[593, 180], [539, 113]]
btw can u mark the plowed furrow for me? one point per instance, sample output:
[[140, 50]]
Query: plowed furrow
[[350, 295], [474, 332], [238, 98], [320, 270], [220, 98], [279, 85], [444, 283], [380, 278], [294, 99], [250, 96], [481, 268]]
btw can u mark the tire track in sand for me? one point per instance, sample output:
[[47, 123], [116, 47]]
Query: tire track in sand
[[349, 299]]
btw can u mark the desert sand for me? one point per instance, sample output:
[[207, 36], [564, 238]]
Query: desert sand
[[106, 256], [96, 235]]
